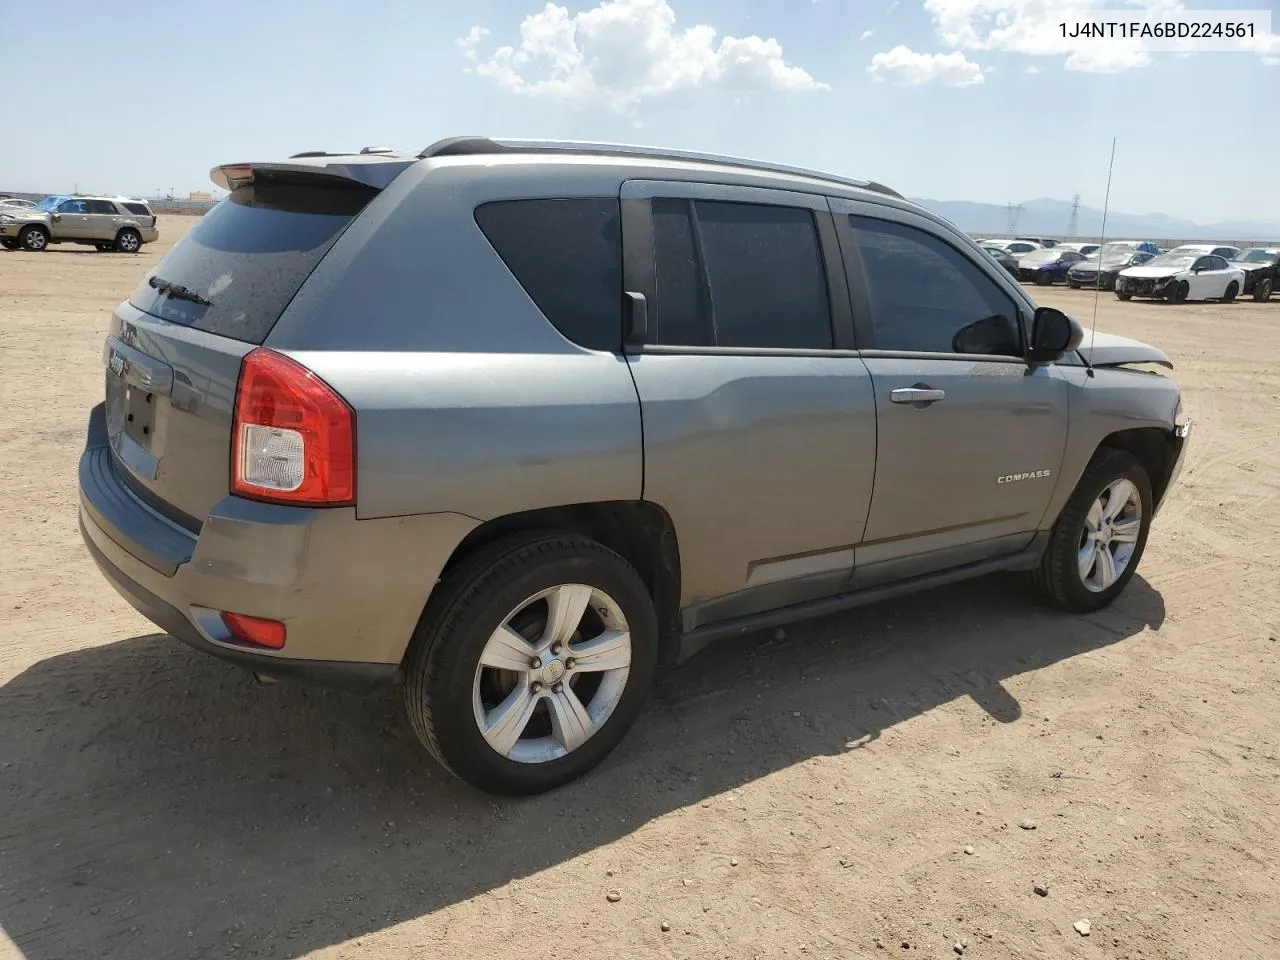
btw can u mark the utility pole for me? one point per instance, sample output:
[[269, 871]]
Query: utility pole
[[1075, 216], [1013, 212]]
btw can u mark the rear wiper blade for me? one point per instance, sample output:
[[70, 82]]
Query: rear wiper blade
[[177, 291]]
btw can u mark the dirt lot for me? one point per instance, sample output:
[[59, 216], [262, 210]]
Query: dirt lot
[[861, 782]]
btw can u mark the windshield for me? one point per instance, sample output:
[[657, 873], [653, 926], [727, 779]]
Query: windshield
[[1259, 255], [1187, 251], [1174, 260], [48, 203], [1042, 256]]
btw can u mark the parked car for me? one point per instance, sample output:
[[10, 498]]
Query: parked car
[[1047, 266], [17, 202], [1004, 258], [1178, 277], [1227, 253], [1039, 241], [1102, 267], [1084, 249], [108, 223], [1261, 266], [363, 422], [1015, 247]]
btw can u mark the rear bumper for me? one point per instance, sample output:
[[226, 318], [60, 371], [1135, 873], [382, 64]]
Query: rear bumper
[[349, 591]]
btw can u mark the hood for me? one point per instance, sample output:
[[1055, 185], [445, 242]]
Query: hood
[[1250, 267], [1109, 350], [1152, 272]]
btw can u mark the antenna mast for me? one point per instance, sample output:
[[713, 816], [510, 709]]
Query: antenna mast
[[1097, 288]]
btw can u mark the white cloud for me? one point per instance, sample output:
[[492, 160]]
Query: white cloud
[[468, 44], [1271, 61], [624, 51], [866, 34], [1033, 69], [893, 5], [902, 65], [1031, 27]]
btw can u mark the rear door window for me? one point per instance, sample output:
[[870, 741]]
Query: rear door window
[[739, 275], [138, 208], [248, 256], [567, 254], [103, 206]]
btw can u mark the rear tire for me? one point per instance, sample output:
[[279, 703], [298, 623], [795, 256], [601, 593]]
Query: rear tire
[[128, 240], [1229, 294], [506, 590], [1062, 576], [34, 238], [1262, 292], [104, 247]]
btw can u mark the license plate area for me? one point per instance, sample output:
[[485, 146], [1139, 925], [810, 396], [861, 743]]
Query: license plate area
[[131, 425]]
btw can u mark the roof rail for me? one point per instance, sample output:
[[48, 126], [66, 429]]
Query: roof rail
[[313, 153], [479, 146]]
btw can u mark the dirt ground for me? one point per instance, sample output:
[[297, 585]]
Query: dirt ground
[[857, 788]]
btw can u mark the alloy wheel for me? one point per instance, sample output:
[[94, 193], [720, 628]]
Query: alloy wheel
[[1110, 535], [552, 674]]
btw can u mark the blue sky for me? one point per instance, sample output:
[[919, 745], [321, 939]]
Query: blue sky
[[162, 91]]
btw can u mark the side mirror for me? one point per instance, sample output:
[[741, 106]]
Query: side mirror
[[56, 218], [1053, 333]]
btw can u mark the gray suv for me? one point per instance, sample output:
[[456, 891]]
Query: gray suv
[[515, 424]]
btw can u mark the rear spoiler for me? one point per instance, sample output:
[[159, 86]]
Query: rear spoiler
[[370, 170]]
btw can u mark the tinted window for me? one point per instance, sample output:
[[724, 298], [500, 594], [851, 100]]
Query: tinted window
[[765, 276], [927, 296], [1223, 251], [567, 254], [249, 255], [1217, 263], [681, 313], [102, 206], [138, 208]]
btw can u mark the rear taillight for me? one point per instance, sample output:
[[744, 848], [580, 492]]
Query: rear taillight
[[293, 437]]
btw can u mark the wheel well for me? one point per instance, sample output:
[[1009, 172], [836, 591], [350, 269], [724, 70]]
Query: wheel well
[[1152, 447], [639, 531], [128, 229]]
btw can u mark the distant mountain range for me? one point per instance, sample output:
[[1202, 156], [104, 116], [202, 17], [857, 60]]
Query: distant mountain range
[[1051, 218]]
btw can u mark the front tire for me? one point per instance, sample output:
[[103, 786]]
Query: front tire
[[1073, 284], [1044, 279], [128, 240], [1229, 294], [104, 247], [34, 238], [531, 663], [1178, 292], [1097, 543], [8, 243], [1262, 292], [1124, 296]]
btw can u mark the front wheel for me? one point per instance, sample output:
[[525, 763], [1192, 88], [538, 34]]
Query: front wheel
[[1262, 292], [1096, 544], [8, 243], [1178, 292], [1044, 278], [1073, 284], [1230, 293], [532, 663], [104, 247], [1123, 296]]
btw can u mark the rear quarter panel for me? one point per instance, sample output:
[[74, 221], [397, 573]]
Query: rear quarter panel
[[467, 399]]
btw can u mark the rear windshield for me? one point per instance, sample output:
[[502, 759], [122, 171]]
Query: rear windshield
[[248, 256]]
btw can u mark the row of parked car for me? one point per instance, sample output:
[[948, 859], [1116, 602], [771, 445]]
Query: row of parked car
[[120, 224], [1140, 268]]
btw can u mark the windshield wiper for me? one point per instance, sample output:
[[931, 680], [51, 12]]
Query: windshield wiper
[[177, 291]]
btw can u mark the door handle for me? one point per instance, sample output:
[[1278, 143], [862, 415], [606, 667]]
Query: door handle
[[924, 395], [916, 395]]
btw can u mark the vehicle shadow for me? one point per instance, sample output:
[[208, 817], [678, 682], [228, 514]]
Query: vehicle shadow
[[155, 802]]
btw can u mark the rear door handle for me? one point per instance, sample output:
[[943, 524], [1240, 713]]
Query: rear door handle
[[916, 395]]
